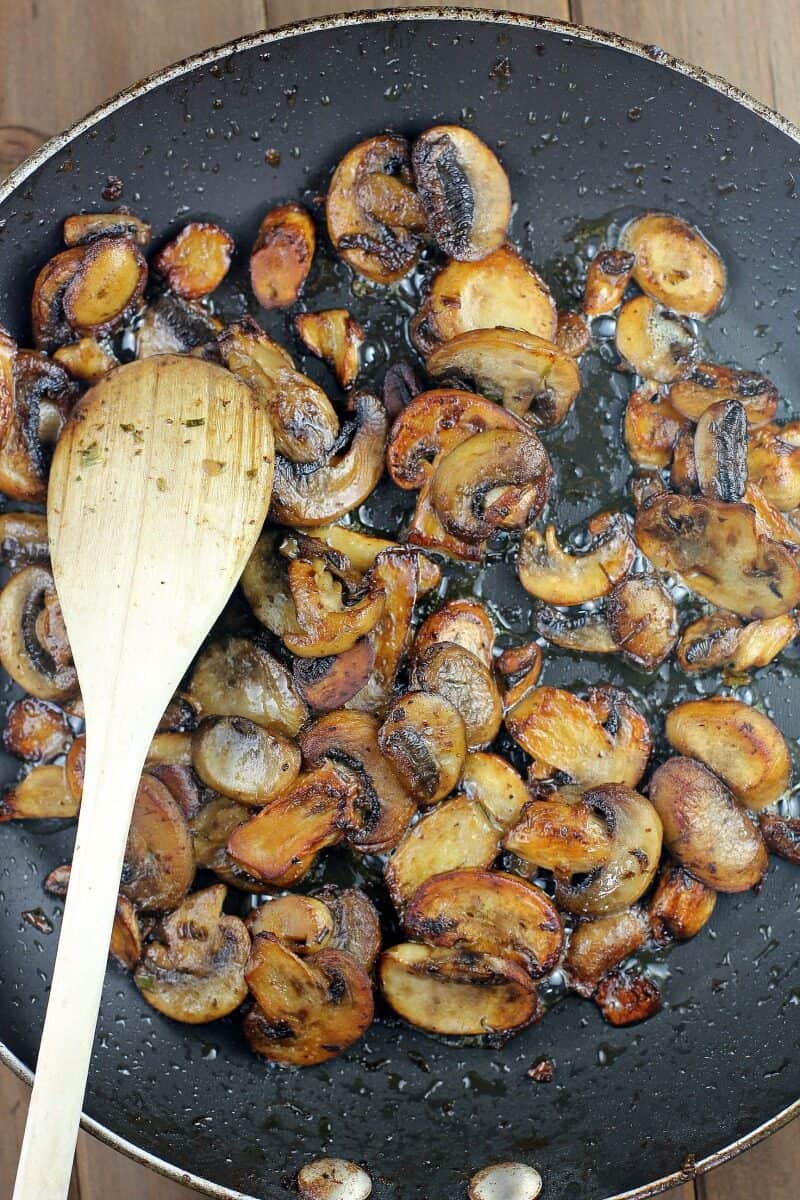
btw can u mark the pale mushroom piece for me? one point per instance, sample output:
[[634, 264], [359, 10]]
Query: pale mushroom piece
[[159, 864], [505, 1181], [196, 261], [335, 336], [41, 794], [651, 427], [174, 749], [497, 787], [656, 343], [333, 1179], [720, 451], [34, 649], [596, 947], [282, 255], [211, 827], [675, 264], [608, 276], [708, 383], [243, 760], [721, 641], [85, 360], [423, 737], [463, 679], [107, 284], [773, 462], [303, 923], [464, 621], [558, 577], [642, 620], [236, 678], [681, 905], [36, 730]]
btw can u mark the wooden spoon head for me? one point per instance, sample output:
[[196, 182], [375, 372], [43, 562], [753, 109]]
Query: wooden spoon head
[[159, 486]]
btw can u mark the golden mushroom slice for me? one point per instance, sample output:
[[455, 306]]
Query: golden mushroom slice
[[243, 760], [773, 462], [770, 523], [39, 394], [739, 743], [398, 573], [81, 228], [193, 968], [720, 451], [603, 739], [455, 834], [530, 376], [721, 641], [196, 261], [108, 283], [282, 255], [36, 730], [488, 912], [159, 864], [564, 578], [48, 322], [708, 384], [467, 683], [642, 620], [583, 630], [236, 678], [652, 426], [596, 947], [456, 993], [424, 739], [520, 668], [211, 827], [655, 343], [704, 828], [683, 468], [85, 360], [362, 551], [501, 289], [608, 276], [573, 335], [335, 336], [464, 621], [680, 905], [356, 925], [327, 620], [302, 923], [675, 264], [34, 649], [498, 788], [720, 553], [307, 1010], [566, 833], [41, 794]]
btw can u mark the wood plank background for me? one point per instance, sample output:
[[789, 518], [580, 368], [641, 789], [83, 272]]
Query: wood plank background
[[83, 52]]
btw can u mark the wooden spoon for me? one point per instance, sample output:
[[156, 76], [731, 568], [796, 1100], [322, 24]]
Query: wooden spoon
[[159, 486]]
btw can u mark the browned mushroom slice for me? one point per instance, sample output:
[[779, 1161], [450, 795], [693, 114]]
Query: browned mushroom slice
[[467, 683], [457, 993], [397, 571], [325, 623], [307, 1010], [211, 827], [75, 766], [33, 641], [464, 192], [781, 835], [683, 468], [8, 356], [655, 343], [174, 749], [304, 498], [363, 550], [464, 621], [159, 860], [282, 255], [171, 325], [585, 631], [742, 745], [88, 227], [336, 337], [596, 947], [719, 552], [642, 620], [242, 760], [373, 212], [107, 284], [356, 925], [773, 462], [85, 360], [568, 833], [708, 384], [770, 522], [652, 426], [608, 276], [265, 583], [645, 486], [36, 730], [456, 833], [179, 716], [236, 678], [126, 932], [500, 290], [381, 807], [330, 682], [530, 376], [281, 842], [41, 794], [720, 451], [559, 577], [520, 667], [603, 739], [424, 739], [680, 905], [196, 261], [497, 787], [302, 923], [488, 912], [194, 968], [625, 998], [675, 264], [573, 336], [426, 530], [23, 539], [704, 828], [721, 641], [49, 324], [494, 480], [43, 395]]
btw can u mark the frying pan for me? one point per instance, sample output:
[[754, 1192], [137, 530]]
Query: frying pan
[[588, 126]]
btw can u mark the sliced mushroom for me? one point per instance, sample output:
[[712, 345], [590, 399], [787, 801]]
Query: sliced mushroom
[[196, 261], [333, 1179], [781, 835], [75, 766], [279, 844], [41, 794], [126, 932], [573, 335], [282, 255], [356, 925], [455, 834], [652, 426], [500, 290], [463, 621], [302, 923], [88, 227], [183, 785], [426, 530], [211, 827], [680, 905], [467, 683], [398, 572], [583, 630], [336, 337], [23, 539], [675, 264], [530, 376], [36, 730], [242, 760], [236, 678], [773, 462], [401, 383], [306, 498], [596, 947], [608, 276], [424, 739], [194, 969], [642, 620], [494, 480], [770, 523], [362, 550], [683, 468], [520, 667], [720, 554], [171, 325], [85, 360], [625, 998], [307, 1009], [567, 833], [720, 451], [108, 284], [645, 487], [8, 357], [488, 912], [380, 807], [330, 682], [43, 395], [603, 739], [455, 992], [559, 577], [655, 343], [159, 859], [464, 192], [48, 322], [744, 747], [709, 384], [374, 214], [721, 641], [170, 749], [497, 787], [324, 623], [33, 641], [704, 828]]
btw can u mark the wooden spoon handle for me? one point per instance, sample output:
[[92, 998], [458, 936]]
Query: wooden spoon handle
[[115, 755]]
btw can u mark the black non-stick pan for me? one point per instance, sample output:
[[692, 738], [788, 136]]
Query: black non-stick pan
[[588, 127]]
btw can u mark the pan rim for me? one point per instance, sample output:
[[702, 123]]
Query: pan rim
[[567, 29]]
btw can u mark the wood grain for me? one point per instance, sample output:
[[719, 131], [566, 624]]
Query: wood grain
[[280, 12]]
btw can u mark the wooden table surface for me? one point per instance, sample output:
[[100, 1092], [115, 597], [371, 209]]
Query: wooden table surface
[[59, 58]]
